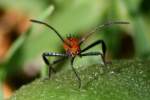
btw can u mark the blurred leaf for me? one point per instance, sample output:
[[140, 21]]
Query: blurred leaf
[[15, 52], [15, 56], [77, 15], [2, 73], [132, 5], [141, 38], [1, 92], [116, 11], [34, 7], [47, 12], [18, 43]]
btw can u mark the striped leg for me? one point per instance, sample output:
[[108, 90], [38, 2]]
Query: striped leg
[[51, 54]]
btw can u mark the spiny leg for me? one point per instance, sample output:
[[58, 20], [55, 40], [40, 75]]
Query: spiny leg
[[49, 54], [94, 44], [79, 79]]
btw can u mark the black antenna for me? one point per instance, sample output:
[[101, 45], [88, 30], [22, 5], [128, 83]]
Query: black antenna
[[100, 28], [40, 22]]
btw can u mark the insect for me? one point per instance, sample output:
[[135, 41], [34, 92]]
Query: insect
[[72, 47]]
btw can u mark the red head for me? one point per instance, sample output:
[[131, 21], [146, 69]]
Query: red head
[[74, 48]]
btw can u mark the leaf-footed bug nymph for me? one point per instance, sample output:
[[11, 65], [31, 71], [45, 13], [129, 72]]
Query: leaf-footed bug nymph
[[72, 47]]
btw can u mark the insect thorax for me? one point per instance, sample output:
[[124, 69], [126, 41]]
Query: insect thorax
[[74, 48]]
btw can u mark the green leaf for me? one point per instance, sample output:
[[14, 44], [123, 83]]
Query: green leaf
[[123, 80]]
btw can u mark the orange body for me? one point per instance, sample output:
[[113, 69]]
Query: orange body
[[74, 48]]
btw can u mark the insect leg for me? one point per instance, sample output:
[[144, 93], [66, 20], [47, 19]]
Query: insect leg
[[91, 54], [94, 44], [79, 79], [50, 54]]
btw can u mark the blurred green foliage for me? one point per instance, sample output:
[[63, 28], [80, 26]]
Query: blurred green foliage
[[1, 92], [77, 17]]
